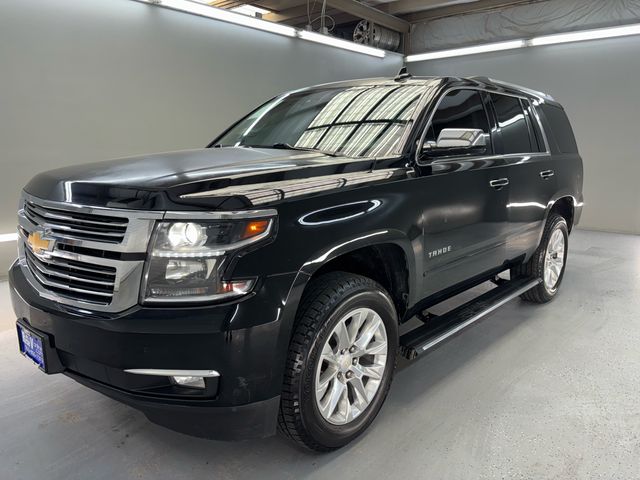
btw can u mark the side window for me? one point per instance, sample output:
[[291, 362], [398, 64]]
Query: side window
[[537, 142], [512, 124], [460, 109], [560, 128]]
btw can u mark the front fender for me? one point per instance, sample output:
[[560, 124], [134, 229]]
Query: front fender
[[367, 239]]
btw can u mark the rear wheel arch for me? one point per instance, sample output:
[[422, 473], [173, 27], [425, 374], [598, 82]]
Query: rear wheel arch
[[565, 207]]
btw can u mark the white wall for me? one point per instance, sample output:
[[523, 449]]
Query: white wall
[[597, 83], [88, 80]]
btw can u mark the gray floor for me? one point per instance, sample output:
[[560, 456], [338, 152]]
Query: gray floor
[[532, 392]]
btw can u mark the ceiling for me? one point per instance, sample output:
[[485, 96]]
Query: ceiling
[[341, 18], [394, 14]]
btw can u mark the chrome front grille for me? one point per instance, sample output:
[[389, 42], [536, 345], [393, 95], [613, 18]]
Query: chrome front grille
[[97, 254], [73, 279], [77, 225]]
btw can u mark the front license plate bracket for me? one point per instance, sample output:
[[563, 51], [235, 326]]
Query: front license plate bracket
[[36, 346]]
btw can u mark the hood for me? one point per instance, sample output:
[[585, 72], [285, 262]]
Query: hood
[[191, 178]]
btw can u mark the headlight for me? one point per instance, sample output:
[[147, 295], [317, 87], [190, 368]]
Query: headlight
[[187, 259]]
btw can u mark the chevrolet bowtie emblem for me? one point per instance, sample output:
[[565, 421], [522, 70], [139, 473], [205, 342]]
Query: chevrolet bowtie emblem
[[39, 244]]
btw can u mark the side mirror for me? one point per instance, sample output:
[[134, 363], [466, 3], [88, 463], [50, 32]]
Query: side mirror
[[456, 141]]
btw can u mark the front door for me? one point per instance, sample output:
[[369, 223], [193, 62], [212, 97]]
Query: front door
[[463, 197]]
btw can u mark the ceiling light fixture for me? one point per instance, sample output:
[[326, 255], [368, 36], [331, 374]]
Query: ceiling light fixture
[[586, 35], [339, 43], [208, 11], [458, 52]]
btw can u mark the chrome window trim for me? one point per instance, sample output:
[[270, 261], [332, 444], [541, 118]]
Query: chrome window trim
[[479, 89]]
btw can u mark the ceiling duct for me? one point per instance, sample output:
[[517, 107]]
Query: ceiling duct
[[368, 33]]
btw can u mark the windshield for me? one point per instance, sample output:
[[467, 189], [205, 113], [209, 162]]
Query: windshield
[[362, 121]]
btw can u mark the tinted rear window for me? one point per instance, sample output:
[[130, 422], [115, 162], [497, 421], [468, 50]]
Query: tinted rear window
[[560, 128]]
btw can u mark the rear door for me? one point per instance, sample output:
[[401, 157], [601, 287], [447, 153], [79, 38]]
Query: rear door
[[463, 198], [531, 175]]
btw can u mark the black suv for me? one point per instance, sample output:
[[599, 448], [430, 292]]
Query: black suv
[[261, 282]]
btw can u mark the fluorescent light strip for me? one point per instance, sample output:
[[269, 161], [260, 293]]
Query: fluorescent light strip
[[458, 52], [205, 10], [337, 42], [586, 35], [225, 15], [597, 34], [8, 237]]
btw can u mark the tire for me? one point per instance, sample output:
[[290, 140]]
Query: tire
[[307, 417], [538, 265]]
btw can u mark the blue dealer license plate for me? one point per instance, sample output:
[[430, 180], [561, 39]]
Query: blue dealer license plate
[[31, 346]]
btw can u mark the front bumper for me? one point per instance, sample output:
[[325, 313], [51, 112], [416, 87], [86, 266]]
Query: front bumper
[[244, 341]]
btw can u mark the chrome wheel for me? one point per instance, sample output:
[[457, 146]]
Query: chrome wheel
[[351, 366], [554, 260]]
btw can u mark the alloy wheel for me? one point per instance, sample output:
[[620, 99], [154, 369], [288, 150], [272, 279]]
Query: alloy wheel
[[351, 366], [554, 260]]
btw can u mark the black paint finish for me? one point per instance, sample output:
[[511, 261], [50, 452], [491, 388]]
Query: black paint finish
[[450, 225]]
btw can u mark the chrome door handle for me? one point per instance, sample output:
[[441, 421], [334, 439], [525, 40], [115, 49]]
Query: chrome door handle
[[499, 183], [546, 174]]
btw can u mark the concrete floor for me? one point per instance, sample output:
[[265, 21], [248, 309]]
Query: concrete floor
[[532, 392]]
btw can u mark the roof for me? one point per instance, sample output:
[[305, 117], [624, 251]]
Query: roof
[[512, 86], [477, 81]]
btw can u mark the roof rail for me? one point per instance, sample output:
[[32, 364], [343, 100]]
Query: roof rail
[[500, 83]]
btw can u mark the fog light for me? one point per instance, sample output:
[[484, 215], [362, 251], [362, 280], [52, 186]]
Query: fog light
[[192, 382]]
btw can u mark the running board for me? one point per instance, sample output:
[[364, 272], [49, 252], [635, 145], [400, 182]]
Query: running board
[[440, 328]]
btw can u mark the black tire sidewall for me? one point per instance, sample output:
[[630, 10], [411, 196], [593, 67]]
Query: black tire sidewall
[[333, 436]]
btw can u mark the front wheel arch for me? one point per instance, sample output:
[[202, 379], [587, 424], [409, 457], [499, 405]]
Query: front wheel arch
[[391, 247]]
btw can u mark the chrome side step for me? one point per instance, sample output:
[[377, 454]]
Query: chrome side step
[[440, 328]]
